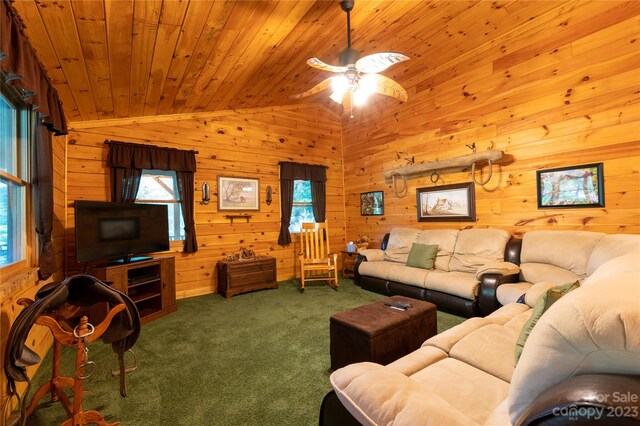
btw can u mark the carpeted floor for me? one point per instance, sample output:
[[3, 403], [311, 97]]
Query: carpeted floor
[[259, 358]]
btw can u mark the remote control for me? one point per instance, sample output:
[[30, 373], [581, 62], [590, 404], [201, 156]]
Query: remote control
[[398, 304]]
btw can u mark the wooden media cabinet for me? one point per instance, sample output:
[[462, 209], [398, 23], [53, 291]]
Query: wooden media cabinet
[[151, 284]]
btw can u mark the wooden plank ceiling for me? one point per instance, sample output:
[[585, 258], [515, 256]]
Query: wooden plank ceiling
[[111, 59]]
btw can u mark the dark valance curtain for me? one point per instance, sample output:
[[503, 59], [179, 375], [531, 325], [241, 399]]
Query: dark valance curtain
[[42, 184], [290, 172], [23, 70], [127, 160]]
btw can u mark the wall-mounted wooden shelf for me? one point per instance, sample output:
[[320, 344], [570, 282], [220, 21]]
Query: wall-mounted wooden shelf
[[231, 217]]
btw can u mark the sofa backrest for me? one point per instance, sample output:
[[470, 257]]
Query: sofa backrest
[[557, 256], [477, 247], [611, 246], [399, 245], [591, 330], [446, 241]]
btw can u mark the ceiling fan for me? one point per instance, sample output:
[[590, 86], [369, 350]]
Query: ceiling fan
[[357, 77]]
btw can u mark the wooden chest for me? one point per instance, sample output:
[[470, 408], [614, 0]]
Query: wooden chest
[[240, 276]]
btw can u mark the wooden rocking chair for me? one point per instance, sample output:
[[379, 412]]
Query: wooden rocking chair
[[315, 255]]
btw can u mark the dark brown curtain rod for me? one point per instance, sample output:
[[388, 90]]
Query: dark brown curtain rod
[[112, 142]]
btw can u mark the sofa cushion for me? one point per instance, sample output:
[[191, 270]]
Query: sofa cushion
[[466, 388], [406, 274], [489, 349], [399, 244], [446, 241], [377, 395], [592, 330], [543, 304], [417, 360], [375, 269], [536, 272], [510, 293], [615, 266], [459, 284], [422, 256], [476, 247], [611, 246], [569, 250]]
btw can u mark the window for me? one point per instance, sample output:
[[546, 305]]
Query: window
[[14, 127], [161, 187], [302, 210]]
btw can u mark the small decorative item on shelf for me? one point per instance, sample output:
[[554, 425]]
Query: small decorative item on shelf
[[362, 242], [351, 247]]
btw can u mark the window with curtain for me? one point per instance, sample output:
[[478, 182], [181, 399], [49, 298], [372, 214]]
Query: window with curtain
[[302, 209], [161, 187], [14, 185]]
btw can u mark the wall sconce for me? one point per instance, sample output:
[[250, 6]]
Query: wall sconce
[[206, 195], [269, 194]]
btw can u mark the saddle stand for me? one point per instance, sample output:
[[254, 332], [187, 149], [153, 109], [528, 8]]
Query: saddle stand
[[83, 334]]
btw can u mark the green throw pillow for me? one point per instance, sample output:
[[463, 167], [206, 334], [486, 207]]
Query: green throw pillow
[[542, 305], [422, 256]]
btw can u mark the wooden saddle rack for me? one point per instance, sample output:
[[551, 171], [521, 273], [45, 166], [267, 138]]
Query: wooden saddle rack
[[57, 306]]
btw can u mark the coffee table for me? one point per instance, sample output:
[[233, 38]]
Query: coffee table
[[378, 333]]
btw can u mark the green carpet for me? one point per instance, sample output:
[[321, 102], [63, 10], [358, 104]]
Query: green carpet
[[259, 358]]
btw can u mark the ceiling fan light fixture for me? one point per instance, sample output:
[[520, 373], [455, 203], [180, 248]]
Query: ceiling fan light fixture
[[360, 97], [340, 83], [337, 96]]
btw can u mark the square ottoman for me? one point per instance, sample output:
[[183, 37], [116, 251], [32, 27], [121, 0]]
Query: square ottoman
[[379, 333]]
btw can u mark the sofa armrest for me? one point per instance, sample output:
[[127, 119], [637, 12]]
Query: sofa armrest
[[607, 398], [356, 268], [498, 267], [377, 395], [373, 255], [487, 297]]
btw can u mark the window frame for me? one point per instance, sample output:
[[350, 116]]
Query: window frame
[[24, 117], [178, 204]]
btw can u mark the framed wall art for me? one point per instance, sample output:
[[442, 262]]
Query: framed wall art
[[372, 203], [447, 203], [236, 193], [571, 187]]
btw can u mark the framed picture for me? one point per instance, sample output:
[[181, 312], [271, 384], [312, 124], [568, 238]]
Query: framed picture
[[372, 203], [447, 203], [236, 193], [571, 187]]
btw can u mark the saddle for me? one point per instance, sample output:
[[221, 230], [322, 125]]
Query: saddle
[[78, 290]]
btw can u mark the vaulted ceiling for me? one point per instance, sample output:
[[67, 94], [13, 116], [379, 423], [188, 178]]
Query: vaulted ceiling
[[129, 58]]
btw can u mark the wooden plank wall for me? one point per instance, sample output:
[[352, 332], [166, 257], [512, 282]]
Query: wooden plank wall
[[25, 284], [561, 90], [244, 143]]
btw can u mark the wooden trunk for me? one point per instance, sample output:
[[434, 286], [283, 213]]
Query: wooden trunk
[[239, 276]]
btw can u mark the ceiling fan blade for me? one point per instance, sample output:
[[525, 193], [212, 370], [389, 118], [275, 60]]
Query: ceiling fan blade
[[378, 62], [315, 89], [317, 63], [385, 86]]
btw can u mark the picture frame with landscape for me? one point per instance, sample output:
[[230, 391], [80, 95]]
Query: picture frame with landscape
[[372, 203], [447, 203], [238, 194], [571, 187]]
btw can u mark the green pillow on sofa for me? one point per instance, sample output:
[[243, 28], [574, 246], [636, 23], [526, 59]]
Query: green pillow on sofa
[[550, 297], [422, 256]]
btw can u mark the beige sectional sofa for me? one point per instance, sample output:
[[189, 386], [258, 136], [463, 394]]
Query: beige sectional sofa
[[557, 257], [584, 348], [455, 282]]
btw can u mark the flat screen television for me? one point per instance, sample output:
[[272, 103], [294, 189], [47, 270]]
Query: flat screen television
[[119, 231]]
